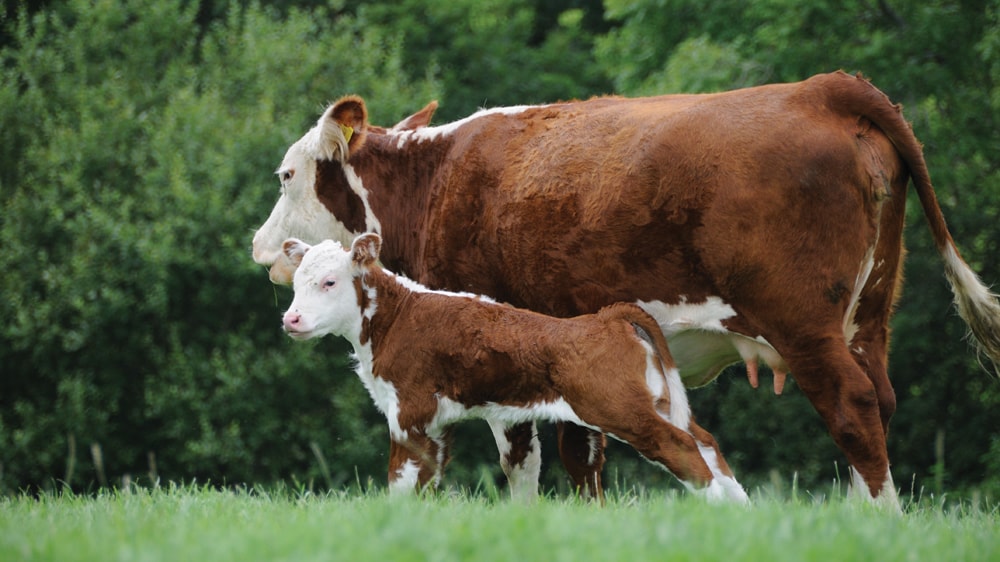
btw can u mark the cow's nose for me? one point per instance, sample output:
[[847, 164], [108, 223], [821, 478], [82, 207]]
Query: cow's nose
[[291, 321]]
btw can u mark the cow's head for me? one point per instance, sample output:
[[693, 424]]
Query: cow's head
[[326, 298], [322, 197], [300, 212]]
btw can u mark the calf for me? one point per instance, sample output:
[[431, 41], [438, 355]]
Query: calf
[[430, 358]]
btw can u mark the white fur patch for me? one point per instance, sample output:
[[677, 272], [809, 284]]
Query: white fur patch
[[688, 316], [887, 499], [731, 489], [415, 287], [432, 133], [680, 409], [864, 271], [593, 447], [406, 480], [372, 223], [450, 411], [522, 478], [383, 392], [654, 375]]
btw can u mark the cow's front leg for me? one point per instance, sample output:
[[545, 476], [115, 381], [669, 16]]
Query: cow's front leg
[[520, 457], [416, 461], [582, 453]]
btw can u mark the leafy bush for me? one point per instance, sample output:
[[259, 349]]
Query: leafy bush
[[137, 163]]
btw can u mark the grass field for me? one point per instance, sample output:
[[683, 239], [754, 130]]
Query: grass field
[[189, 523]]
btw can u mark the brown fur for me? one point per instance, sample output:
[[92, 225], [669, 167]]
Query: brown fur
[[432, 346]]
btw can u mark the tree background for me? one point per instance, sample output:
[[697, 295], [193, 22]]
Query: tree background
[[137, 141]]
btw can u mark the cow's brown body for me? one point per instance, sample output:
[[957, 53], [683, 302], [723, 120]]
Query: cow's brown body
[[762, 224], [430, 359]]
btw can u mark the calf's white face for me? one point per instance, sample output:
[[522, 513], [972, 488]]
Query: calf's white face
[[326, 299]]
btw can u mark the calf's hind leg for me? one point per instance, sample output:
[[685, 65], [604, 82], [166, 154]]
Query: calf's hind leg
[[416, 462], [520, 457], [672, 448]]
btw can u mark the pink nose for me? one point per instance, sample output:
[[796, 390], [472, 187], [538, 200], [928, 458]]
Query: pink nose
[[292, 321]]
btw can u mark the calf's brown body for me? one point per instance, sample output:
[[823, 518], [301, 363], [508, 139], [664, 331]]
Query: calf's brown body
[[447, 357]]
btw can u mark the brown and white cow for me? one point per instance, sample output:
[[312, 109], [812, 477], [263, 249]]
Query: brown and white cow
[[431, 358], [758, 225]]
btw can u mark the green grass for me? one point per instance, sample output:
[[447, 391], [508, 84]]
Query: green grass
[[189, 523]]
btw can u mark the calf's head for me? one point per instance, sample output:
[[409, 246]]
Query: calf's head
[[327, 299]]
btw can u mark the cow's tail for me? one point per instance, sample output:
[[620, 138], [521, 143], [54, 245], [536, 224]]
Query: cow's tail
[[976, 304]]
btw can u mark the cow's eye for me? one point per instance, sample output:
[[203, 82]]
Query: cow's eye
[[287, 175]]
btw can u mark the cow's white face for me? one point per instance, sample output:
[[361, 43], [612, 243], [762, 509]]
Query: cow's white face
[[326, 299], [299, 212]]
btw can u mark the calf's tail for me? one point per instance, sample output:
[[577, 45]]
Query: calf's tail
[[645, 327]]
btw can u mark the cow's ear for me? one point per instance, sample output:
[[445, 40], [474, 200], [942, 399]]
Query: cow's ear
[[294, 249], [350, 117], [365, 249], [419, 119], [342, 130]]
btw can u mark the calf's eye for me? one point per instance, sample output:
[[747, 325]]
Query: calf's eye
[[329, 283]]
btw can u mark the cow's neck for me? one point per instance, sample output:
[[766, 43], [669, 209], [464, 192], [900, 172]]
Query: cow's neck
[[381, 298], [399, 178]]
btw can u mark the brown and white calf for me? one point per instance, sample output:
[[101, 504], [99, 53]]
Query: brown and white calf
[[431, 358]]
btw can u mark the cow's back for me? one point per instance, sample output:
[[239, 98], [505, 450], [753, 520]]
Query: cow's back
[[733, 195]]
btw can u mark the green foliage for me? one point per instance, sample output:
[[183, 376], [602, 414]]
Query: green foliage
[[492, 53], [136, 165]]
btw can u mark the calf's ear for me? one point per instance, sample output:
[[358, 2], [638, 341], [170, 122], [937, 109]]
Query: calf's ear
[[365, 249], [294, 249]]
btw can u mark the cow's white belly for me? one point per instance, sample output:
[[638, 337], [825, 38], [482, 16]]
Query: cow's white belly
[[700, 343]]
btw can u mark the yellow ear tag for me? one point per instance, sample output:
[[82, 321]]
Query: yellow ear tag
[[348, 131]]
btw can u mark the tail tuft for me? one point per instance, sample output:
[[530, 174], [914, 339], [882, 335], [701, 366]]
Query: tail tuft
[[977, 305]]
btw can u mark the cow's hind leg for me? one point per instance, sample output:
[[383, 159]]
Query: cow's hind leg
[[871, 357], [520, 457], [847, 400], [582, 453]]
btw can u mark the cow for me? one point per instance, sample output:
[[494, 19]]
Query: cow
[[761, 225], [432, 358]]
